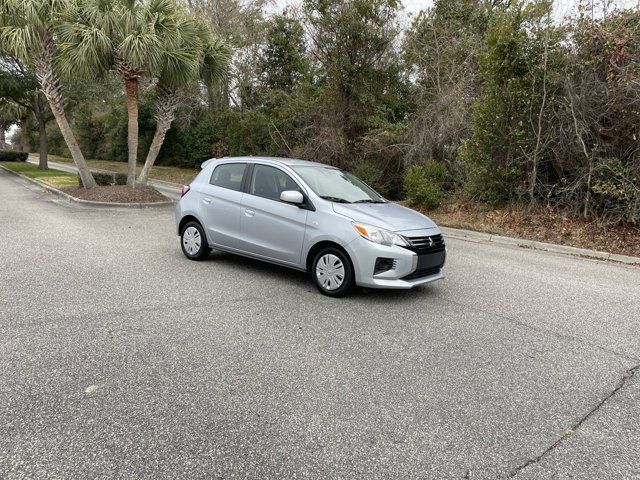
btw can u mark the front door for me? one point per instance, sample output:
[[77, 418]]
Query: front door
[[271, 228]]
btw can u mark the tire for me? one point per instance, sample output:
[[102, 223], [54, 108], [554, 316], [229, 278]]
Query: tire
[[194, 242], [332, 272]]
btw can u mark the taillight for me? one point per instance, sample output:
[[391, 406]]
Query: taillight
[[185, 189]]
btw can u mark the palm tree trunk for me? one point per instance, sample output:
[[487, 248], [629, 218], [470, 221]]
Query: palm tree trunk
[[43, 162], [131, 88], [154, 150], [3, 138], [166, 105], [52, 89], [74, 148], [70, 140]]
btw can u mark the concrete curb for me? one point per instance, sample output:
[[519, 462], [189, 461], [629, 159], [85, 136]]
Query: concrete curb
[[481, 237], [88, 203]]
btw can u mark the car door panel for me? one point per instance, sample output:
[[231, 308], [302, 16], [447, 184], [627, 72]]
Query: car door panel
[[221, 200], [271, 228], [222, 211]]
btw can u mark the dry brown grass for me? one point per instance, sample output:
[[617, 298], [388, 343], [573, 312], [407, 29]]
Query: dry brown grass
[[544, 225]]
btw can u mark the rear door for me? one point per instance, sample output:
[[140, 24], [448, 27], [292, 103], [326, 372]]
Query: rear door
[[271, 228], [221, 201]]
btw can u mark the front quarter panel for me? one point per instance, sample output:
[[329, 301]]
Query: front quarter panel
[[325, 226]]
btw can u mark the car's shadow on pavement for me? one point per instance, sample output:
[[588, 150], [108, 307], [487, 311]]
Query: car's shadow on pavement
[[303, 280]]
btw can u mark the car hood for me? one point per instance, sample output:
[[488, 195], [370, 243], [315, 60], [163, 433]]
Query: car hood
[[390, 216]]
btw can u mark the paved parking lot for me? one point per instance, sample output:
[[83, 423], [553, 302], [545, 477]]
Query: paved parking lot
[[121, 359]]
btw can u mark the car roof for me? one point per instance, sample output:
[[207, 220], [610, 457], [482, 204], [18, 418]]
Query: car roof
[[290, 162]]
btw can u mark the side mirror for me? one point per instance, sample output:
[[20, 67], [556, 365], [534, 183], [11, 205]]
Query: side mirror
[[291, 196]]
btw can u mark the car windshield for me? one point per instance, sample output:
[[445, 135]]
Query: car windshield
[[337, 186]]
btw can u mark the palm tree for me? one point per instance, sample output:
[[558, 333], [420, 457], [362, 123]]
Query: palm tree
[[121, 35], [27, 32], [190, 55]]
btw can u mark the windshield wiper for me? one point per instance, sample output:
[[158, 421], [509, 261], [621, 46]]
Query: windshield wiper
[[367, 200], [334, 199]]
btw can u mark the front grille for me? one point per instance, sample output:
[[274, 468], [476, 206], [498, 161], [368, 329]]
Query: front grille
[[384, 265], [429, 244], [425, 272]]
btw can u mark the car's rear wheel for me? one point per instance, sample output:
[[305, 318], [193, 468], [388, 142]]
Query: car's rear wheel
[[194, 242], [332, 272]]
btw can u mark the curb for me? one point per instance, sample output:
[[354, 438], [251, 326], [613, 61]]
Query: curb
[[88, 203], [471, 236]]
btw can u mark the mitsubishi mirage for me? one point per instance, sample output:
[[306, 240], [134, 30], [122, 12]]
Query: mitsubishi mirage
[[311, 217]]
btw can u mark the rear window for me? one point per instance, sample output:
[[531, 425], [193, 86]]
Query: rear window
[[228, 175]]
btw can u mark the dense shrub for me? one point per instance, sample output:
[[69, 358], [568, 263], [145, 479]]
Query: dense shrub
[[423, 184], [102, 179], [616, 192], [120, 179], [13, 156]]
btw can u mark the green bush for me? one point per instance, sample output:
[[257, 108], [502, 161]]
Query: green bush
[[121, 179], [423, 184], [616, 192], [13, 156], [102, 179]]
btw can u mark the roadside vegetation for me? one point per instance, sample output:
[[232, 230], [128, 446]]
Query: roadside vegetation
[[53, 178], [180, 175], [112, 187], [500, 105], [47, 46]]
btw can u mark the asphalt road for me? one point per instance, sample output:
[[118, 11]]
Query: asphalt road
[[121, 359]]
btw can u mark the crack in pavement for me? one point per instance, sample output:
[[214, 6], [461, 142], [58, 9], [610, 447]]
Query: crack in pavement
[[571, 430]]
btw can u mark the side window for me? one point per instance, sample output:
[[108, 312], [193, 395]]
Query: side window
[[269, 182], [228, 175]]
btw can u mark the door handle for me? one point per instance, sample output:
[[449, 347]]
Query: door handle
[[206, 200], [249, 213]]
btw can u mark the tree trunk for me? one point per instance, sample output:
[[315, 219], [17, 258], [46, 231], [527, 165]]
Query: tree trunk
[[43, 162], [154, 150], [166, 105], [24, 135], [3, 139], [70, 139], [52, 89], [131, 88]]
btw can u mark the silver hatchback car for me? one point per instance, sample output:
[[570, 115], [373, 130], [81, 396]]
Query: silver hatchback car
[[311, 217]]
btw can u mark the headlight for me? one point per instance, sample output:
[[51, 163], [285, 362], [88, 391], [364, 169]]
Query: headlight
[[380, 235]]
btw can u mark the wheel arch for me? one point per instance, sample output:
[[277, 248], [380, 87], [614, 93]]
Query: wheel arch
[[186, 219], [313, 251]]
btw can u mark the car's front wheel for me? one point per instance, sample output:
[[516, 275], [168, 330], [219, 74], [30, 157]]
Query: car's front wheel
[[194, 242], [332, 272]]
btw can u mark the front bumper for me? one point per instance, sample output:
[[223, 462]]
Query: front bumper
[[364, 253]]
